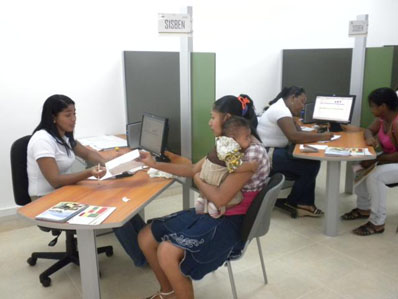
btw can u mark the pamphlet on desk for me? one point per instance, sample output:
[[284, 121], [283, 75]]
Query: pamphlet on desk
[[62, 211], [346, 151], [92, 215]]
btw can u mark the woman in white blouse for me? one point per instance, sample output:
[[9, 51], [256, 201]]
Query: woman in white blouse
[[278, 130]]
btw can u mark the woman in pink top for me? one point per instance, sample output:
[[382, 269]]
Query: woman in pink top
[[372, 192]]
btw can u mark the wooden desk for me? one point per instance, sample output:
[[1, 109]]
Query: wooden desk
[[139, 188], [348, 139]]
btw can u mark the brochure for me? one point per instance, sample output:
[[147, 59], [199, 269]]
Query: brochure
[[62, 211], [349, 151], [92, 215], [337, 151]]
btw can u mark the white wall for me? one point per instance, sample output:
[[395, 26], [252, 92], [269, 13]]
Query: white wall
[[75, 48]]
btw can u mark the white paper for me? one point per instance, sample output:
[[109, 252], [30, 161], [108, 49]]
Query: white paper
[[123, 163], [335, 137], [307, 129], [317, 146]]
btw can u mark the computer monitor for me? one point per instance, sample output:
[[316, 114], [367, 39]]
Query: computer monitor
[[334, 109], [153, 137], [133, 133]]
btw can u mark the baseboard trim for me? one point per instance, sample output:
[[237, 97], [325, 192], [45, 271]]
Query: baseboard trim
[[8, 211]]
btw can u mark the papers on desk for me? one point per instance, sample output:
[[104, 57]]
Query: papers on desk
[[92, 215], [103, 142]]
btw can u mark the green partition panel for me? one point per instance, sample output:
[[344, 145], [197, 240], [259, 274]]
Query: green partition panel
[[394, 77], [378, 73], [203, 96]]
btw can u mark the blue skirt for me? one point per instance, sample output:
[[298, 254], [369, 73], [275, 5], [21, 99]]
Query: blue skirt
[[207, 242]]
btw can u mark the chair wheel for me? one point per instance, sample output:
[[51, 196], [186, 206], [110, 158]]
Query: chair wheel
[[99, 274], [32, 261], [293, 214], [45, 281], [109, 252]]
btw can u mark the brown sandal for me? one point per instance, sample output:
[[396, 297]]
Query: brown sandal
[[367, 229], [354, 214]]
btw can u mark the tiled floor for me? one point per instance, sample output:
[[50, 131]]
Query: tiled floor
[[301, 262]]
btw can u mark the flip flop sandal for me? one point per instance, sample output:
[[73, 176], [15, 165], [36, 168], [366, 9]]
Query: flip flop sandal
[[161, 295], [367, 229], [301, 212], [353, 215]]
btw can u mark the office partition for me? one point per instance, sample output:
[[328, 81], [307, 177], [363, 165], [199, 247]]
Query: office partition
[[152, 84]]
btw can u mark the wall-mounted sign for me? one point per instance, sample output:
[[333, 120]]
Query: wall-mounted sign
[[174, 23], [358, 28]]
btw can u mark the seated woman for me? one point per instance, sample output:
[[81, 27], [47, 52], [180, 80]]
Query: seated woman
[[186, 245], [277, 128], [372, 191], [51, 153]]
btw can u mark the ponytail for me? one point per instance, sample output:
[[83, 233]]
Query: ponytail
[[285, 93]]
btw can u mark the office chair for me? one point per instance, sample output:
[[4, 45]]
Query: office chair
[[20, 185], [257, 221], [281, 202]]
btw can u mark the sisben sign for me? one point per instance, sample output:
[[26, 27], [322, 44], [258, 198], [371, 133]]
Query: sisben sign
[[174, 23]]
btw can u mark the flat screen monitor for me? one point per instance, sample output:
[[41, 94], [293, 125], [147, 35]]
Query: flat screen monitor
[[153, 137], [133, 133], [334, 109]]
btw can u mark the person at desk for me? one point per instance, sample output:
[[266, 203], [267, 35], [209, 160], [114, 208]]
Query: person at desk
[[372, 191], [52, 149], [186, 245], [51, 153], [278, 131]]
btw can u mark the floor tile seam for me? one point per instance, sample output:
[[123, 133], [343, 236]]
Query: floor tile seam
[[372, 267], [324, 286], [74, 284]]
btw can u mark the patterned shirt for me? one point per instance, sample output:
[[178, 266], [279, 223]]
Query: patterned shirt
[[256, 152]]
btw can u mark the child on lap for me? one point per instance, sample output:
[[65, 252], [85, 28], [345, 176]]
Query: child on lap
[[225, 158]]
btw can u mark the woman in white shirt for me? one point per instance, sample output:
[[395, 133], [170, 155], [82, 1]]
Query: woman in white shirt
[[51, 153], [277, 129], [52, 149]]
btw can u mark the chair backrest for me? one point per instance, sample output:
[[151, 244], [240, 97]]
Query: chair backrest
[[258, 217], [19, 172]]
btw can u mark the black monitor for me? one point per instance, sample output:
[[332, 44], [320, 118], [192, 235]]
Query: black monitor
[[334, 109], [133, 134], [153, 137]]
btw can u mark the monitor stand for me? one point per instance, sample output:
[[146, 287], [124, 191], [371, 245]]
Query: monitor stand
[[162, 158], [335, 127]]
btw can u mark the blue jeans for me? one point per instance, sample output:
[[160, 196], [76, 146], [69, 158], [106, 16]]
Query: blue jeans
[[127, 236], [302, 171]]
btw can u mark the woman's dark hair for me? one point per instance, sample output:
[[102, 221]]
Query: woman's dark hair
[[285, 93], [51, 107], [386, 96], [240, 106], [233, 124]]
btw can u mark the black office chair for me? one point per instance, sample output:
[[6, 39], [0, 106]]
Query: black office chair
[[20, 185]]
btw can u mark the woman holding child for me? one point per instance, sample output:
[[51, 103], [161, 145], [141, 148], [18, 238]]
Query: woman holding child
[[186, 245]]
